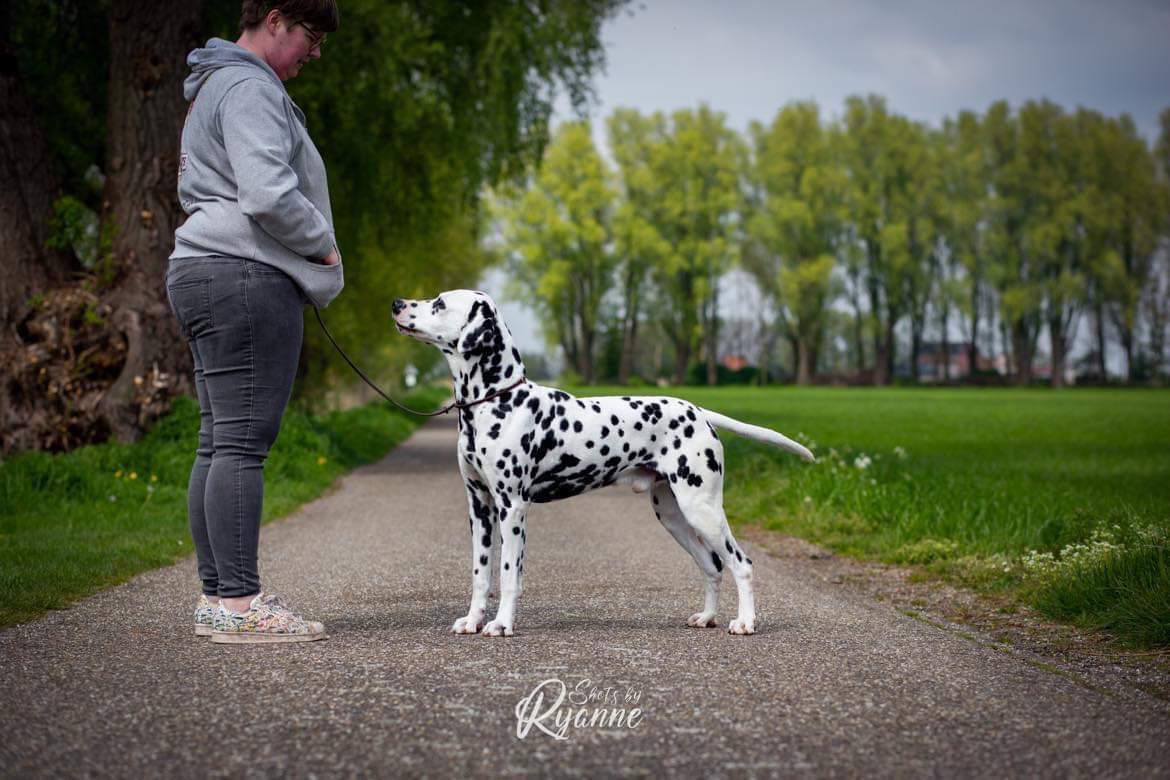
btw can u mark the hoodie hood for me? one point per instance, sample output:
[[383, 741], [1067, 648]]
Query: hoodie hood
[[222, 54]]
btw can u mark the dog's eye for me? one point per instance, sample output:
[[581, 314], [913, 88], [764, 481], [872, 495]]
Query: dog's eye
[[438, 305]]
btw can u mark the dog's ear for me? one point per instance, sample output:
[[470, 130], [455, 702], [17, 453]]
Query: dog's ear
[[481, 334]]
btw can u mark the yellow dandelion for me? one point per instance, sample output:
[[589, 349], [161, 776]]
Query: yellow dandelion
[[154, 477], [118, 474], [321, 461], [133, 475]]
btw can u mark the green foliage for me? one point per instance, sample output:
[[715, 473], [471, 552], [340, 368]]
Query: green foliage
[[796, 218], [416, 106], [76, 228], [559, 237], [72, 524], [62, 48]]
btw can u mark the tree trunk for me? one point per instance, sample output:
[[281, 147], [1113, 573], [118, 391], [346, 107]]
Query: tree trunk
[[27, 266], [888, 350], [880, 377], [682, 357], [972, 349], [1100, 334], [1127, 343], [803, 374], [585, 366], [858, 325], [946, 345], [1059, 351], [712, 335], [149, 41], [915, 347], [629, 335], [1022, 348]]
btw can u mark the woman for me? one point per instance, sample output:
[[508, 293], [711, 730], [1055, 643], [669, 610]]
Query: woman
[[257, 245]]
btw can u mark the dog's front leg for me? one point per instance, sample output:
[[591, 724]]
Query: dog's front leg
[[514, 536], [481, 512]]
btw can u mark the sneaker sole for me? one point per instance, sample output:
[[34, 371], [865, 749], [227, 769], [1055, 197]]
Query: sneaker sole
[[202, 630], [256, 638]]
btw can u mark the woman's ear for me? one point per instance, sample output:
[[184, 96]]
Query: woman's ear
[[273, 20]]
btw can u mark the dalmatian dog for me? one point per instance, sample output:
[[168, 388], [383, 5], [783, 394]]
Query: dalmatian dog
[[521, 443]]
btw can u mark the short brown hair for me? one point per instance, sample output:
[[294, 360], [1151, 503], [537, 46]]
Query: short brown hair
[[321, 15]]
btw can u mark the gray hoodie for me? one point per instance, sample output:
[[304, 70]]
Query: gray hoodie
[[250, 179]]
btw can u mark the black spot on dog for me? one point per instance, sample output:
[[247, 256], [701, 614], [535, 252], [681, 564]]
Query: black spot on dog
[[716, 560]]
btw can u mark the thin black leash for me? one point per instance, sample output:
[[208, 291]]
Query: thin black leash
[[379, 391]]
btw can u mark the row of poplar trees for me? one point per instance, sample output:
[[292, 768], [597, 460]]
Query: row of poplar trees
[[416, 105], [1008, 223]]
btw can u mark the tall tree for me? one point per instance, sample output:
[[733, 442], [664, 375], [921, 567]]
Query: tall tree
[[148, 45], [1015, 273], [799, 191], [1139, 226], [877, 158], [559, 233], [634, 141], [699, 167]]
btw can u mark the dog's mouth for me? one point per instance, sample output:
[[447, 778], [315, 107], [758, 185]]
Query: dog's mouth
[[409, 331]]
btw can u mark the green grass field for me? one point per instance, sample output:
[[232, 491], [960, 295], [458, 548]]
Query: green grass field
[[75, 523], [1061, 499]]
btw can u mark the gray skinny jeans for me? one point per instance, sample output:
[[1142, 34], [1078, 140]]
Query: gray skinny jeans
[[244, 322]]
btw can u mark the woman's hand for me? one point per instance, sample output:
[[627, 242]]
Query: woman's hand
[[331, 259]]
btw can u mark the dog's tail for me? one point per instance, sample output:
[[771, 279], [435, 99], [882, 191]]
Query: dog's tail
[[766, 435]]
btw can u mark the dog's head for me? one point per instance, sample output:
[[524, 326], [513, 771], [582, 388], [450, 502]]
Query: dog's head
[[459, 322]]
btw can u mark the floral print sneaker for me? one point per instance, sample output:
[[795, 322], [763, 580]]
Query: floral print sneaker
[[268, 619], [204, 616]]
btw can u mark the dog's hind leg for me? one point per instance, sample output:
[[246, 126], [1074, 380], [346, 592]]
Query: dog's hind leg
[[703, 509], [667, 511], [482, 518]]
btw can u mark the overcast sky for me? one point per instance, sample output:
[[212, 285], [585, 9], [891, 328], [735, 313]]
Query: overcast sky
[[929, 58]]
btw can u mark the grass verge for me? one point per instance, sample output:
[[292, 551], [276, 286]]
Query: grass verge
[[1057, 499], [75, 523]]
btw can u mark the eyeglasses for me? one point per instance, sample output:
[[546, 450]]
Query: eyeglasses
[[316, 39]]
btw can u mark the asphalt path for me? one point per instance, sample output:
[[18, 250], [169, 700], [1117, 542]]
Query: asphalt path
[[833, 683]]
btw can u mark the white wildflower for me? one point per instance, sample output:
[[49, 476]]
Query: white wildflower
[[862, 461]]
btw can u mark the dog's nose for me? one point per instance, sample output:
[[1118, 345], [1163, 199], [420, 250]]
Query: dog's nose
[[398, 305]]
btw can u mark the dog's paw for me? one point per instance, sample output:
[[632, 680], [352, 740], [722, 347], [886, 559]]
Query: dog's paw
[[702, 620], [496, 628], [742, 626], [467, 625]]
